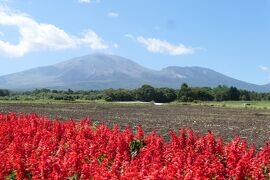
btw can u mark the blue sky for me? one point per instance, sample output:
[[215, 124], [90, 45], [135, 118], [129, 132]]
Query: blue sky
[[229, 36]]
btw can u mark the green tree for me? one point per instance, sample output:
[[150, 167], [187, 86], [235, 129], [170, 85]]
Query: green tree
[[201, 94], [184, 94], [233, 94], [118, 95], [4, 92], [244, 95], [145, 93], [165, 95], [221, 93]]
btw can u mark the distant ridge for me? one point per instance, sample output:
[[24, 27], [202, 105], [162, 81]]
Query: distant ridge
[[101, 71]]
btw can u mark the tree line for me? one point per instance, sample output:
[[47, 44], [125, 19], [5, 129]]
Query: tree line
[[145, 93]]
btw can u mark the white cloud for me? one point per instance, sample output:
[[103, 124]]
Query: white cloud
[[129, 36], [115, 45], [2, 34], [91, 39], [35, 36], [162, 46], [84, 1], [113, 14], [88, 1], [264, 68]]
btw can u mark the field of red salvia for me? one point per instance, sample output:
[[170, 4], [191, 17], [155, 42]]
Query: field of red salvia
[[33, 147]]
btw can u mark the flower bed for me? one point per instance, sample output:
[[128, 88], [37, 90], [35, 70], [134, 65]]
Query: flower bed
[[34, 147]]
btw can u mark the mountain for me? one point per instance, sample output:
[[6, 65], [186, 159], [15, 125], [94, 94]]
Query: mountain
[[198, 76], [100, 71]]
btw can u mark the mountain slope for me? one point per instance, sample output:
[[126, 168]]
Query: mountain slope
[[198, 76], [100, 71], [96, 71]]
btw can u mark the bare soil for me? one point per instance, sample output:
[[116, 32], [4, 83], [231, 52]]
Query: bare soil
[[251, 124]]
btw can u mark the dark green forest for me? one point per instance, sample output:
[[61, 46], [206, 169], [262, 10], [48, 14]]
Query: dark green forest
[[145, 93]]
